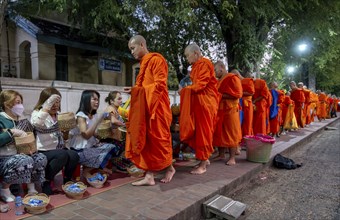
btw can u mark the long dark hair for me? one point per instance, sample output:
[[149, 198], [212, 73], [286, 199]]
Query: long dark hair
[[85, 102]]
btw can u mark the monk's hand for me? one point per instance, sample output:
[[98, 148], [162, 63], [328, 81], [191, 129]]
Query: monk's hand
[[127, 90]]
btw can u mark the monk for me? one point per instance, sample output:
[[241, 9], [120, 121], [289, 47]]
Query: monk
[[322, 105], [260, 98], [289, 119], [313, 105], [247, 105], [228, 132], [198, 109], [298, 96], [306, 109], [275, 110], [148, 141]]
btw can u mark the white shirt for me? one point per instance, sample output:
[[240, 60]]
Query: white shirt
[[43, 120], [77, 141]]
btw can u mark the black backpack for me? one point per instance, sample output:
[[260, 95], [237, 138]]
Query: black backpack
[[282, 162]]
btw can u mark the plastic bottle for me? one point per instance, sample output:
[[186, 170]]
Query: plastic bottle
[[19, 207], [180, 155]]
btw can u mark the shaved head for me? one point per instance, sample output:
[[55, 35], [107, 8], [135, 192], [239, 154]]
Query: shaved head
[[193, 53], [137, 46], [220, 69], [138, 39], [191, 48]]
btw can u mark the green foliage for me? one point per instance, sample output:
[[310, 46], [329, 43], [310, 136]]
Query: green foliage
[[254, 35]]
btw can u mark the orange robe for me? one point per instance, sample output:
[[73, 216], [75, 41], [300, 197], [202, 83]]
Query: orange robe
[[298, 97], [203, 103], [247, 107], [313, 105], [148, 142], [286, 103], [307, 108], [260, 111], [276, 122], [322, 106], [228, 126]]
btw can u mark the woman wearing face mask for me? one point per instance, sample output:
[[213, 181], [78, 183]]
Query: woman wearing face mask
[[16, 168], [50, 140], [92, 153]]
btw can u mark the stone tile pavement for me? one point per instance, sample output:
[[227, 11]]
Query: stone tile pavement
[[183, 197]]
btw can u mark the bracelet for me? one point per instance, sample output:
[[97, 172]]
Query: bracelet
[[106, 114], [10, 132]]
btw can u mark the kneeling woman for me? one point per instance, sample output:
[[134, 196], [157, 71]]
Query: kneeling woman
[[50, 139], [16, 168], [92, 153]]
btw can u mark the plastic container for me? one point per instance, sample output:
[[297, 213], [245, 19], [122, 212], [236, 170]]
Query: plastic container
[[180, 155], [259, 148], [19, 206]]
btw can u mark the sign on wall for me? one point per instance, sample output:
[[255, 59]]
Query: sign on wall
[[109, 64]]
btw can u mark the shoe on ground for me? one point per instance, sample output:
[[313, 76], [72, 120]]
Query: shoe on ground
[[7, 196]]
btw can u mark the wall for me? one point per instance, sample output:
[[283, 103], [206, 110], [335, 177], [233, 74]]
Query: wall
[[47, 70], [82, 68]]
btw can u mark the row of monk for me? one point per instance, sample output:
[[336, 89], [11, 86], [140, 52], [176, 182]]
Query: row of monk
[[209, 111]]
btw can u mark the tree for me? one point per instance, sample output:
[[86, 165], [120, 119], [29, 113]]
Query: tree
[[253, 35]]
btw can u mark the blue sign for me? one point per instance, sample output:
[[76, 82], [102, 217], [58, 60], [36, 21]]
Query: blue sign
[[111, 65]]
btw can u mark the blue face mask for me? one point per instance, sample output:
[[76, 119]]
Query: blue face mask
[[18, 109]]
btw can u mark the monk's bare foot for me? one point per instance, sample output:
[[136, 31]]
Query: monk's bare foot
[[147, 181], [144, 182], [231, 162], [218, 157], [199, 170], [207, 164], [238, 151], [169, 174]]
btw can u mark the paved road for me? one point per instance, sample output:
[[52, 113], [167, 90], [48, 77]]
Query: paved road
[[310, 192]]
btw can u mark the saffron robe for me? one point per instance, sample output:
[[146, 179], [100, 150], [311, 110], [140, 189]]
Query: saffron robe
[[307, 108], [203, 105], [322, 105], [148, 140], [247, 106], [228, 127], [298, 96], [276, 119], [260, 111]]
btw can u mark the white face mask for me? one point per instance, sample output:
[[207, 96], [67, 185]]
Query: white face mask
[[18, 109]]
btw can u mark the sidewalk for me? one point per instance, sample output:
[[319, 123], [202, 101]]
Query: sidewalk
[[183, 197]]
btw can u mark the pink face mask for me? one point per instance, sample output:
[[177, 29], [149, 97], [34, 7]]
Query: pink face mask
[[18, 109]]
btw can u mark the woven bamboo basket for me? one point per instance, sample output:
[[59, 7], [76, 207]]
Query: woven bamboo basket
[[104, 130], [36, 209], [67, 121], [26, 145], [97, 183], [74, 195]]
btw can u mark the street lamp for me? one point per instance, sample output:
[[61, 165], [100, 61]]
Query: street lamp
[[290, 69], [302, 47]]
